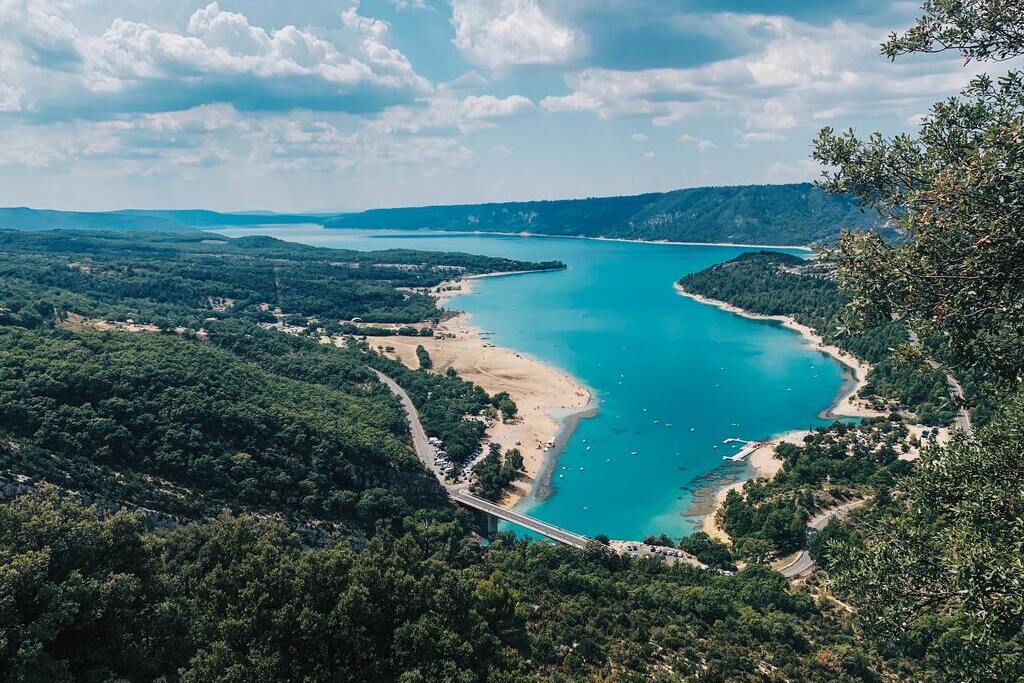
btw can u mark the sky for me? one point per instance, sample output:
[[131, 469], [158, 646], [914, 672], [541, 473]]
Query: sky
[[332, 105]]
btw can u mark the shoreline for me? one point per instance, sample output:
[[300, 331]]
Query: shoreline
[[845, 403], [761, 462], [551, 401]]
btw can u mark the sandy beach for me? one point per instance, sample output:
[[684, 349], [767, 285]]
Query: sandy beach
[[543, 394], [846, 404]]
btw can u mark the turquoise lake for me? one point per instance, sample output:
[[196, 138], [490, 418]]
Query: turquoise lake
[[651, 357]]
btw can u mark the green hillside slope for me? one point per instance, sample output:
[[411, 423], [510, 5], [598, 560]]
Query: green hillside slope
[[757, 214]]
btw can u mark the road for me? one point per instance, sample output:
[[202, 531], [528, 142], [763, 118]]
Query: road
[[803, 562], [424, 451], [953, 388], [459, 492], [956, 392]]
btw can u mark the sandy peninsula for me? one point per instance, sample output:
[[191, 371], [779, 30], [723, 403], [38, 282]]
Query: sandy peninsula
[[544, 394], [847, 404]]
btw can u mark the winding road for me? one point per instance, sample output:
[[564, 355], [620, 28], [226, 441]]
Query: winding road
[[803, 563], [953, 388]]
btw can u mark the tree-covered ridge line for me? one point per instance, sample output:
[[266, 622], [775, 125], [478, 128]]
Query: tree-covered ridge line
[[188, 429], [182, 279], [793, 214], [796, 214], [775, 283]]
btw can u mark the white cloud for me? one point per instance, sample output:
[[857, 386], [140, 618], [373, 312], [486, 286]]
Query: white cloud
[[171, 142], [471, 80], [577, 101], [503, 33], [773, 115], [411, 4], [446, 115], [220, 56], [224, 45], [648, 155], [830, 113], [11, 98], [700, 143], [792, 74], [763, 136], [638, 137], [489, 106], [40, 32]]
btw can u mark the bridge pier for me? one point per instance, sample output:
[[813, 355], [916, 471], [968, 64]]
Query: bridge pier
[[486, 523]]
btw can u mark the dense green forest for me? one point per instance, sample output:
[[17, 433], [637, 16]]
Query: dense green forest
[[757, 214], [88, 597], [775, 283], [275, 525], [495, 471], [182, 279], [258, 512], [223, 413], [834, 465]]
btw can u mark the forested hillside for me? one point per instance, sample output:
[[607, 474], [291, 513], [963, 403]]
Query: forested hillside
[[221, 411], [795, 214], [179, 280], [773, 283], [753, 214]]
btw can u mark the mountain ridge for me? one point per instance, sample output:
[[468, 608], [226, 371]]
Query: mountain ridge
[[793, 214]]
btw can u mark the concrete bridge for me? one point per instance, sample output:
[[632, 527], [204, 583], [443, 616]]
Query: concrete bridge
[[494, 512], [488, 512]]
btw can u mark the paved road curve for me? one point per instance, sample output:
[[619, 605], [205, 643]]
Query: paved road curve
[[953, 388], [458, 493], [803, 562]]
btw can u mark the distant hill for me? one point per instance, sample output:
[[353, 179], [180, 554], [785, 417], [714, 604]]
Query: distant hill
[[757, 214], [22, 218], [751, 214]]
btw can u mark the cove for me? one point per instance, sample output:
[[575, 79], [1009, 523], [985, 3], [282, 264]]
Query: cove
[[673, 378]]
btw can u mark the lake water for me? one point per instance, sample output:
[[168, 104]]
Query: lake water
[[674, 378]]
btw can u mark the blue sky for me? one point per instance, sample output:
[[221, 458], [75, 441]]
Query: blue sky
[[332, 105]]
